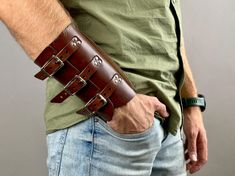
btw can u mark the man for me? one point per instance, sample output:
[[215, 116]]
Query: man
[[143, 136]]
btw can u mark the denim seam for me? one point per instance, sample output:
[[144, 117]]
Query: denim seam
[[62, 142], [92, 145]]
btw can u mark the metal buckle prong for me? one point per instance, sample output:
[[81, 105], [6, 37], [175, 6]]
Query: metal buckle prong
[[57, 60], [92, 99], [77, 77]]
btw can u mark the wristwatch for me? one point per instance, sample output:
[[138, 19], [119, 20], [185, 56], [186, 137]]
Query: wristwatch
[[195, 101]]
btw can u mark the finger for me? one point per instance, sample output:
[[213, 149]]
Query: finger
[[186, 156], [160, 108], [186, 145], [192, 168], [189, 165], [202, 154], [192, 147], [202, 150]]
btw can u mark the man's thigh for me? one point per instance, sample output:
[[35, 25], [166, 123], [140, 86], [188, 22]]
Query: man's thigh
[[170, 158], [92, 148], [69, 150], [117, 154]]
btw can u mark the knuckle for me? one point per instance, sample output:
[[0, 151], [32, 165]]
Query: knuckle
[[192, 135], [163, 107], [159, 104], [163, 110], [155, 99], [192, 148]]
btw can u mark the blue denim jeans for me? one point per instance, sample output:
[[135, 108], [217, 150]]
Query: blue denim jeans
[[92, 148]]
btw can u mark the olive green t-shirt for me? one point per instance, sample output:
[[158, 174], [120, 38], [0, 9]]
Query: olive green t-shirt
[[142, 37]]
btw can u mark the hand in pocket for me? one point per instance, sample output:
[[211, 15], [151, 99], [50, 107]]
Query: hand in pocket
[[137, 115]]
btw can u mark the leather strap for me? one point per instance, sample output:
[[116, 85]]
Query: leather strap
[[85, 71], [78, 81], [57, 61], [99, 100]]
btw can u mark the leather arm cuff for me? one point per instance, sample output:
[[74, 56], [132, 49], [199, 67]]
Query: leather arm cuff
[[85, 71]]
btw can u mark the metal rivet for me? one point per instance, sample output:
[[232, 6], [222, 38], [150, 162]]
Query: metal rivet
[[97, 61], [75, 41], [117, 79]]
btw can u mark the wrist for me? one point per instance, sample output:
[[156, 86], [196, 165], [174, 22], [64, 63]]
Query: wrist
[[191, 109], [46, 37], [188, 93]]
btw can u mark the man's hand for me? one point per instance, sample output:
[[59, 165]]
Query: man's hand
[[137, 115], [196, 140]]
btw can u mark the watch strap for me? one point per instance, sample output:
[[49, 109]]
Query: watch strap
[[195, 101]]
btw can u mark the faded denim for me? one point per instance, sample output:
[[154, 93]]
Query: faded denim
[[92, 148]]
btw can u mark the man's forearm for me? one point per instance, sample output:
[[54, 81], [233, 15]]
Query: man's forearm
[[34, 24], [194, 130], [189, 88]]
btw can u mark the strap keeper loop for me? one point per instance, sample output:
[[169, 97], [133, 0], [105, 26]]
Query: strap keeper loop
[[74, 80], [95, 103], [49, 72], [57, 61]]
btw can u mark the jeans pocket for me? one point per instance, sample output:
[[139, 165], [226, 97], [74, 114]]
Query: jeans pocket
[[136, 136], [55, 145]]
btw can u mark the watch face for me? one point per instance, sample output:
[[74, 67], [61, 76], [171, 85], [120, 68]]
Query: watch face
[[203, 108]]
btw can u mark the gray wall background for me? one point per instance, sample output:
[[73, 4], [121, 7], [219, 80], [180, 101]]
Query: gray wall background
[[209, 28]]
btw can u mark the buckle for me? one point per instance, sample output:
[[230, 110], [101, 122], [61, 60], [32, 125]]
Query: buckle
[[57, 61], [99, 96], [76, 78]]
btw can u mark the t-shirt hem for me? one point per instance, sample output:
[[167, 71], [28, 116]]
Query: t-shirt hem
[[67, 125]]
